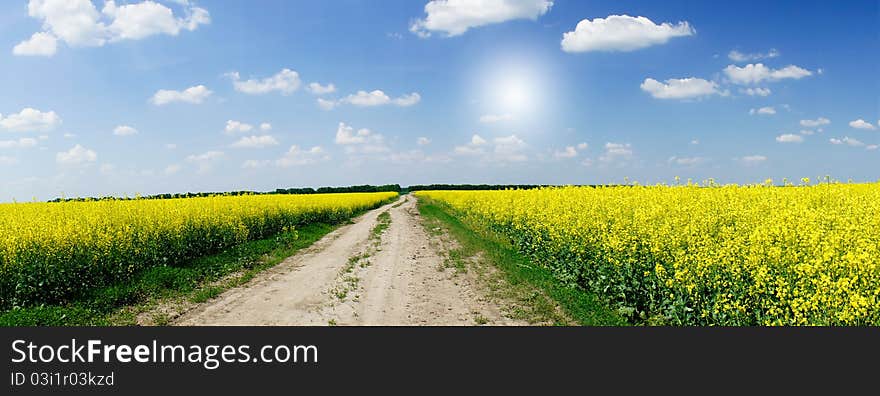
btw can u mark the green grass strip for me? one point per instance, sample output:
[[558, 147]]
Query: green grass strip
[[579, 305]]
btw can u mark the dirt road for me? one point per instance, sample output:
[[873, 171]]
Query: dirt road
[[381, 270]]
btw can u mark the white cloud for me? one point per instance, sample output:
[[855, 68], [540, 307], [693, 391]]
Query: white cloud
[[408, 100], [686, 161], [621, 33], [68, 135], [871, 147], [265, 126], [319, 89], [124, 130], [286, 82], [815, 123], [194, 95], [255, 164], [695, 142], [454, 17], [493, 118], [76, 156], [369, 99], [423, 141], [19, 143], [756, 91], [361, 141], [40, 44], [737, 56], [509, 148], [233, 127], [472, 148], [684, 88], [255, 142], [567, 152], [862, 124], [616, 152], [326, 104], [6, 160], [756, 73], [767, 110], [789, 138], [807, 132], [207, 156], [582, 146], [170, 146], [847, 141], [205, 161], [753, 159], [29, 119], [140, 20], [78, 23], [297, 157]]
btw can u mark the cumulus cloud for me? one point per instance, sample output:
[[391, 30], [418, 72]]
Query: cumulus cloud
[[767, 110], [737, 56], [756, 91], [297, 157], [567, 152], [509, 148], [754, 159], [493, 118], [615, 152], [233, 127], [815, 123], [371, 99], [255, 142], [757, 72], [286, 82], [193, 95], [454, 17], [77, 155], [862, 124], [621, 33], [29, 120], [408, 100], [472, 148], [79, 24], [326, 104], [423, 141], [570, 151], [847, 141], [40, 44], [684, 88], [789, 138], [361, 141], [265, 126], [686, 161], [205, 161], [319, 89], [18, 143], [124, 130]]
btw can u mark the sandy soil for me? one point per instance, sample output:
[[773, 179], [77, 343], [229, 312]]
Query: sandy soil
[[353, 277]]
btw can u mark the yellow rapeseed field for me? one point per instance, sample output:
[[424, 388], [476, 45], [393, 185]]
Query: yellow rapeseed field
[[50, 251], [720, 255]]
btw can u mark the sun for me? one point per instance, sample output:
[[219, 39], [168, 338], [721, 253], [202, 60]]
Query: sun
[[512, 89]]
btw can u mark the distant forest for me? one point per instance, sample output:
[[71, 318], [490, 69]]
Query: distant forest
[[321, 190]]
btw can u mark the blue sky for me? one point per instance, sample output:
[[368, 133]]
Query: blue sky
[[431, 92]]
